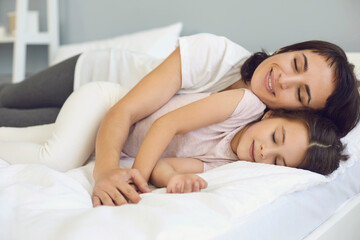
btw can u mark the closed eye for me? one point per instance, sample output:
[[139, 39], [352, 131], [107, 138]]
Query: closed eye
[[295, 65], [273, 136], [299, 96]]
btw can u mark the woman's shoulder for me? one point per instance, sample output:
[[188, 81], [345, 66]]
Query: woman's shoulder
[[206, 37], [213, 42]]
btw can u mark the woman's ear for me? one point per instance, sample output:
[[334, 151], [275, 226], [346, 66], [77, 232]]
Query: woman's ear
[[267, 115]]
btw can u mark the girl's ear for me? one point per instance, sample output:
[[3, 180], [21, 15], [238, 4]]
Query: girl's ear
[[267, 115]]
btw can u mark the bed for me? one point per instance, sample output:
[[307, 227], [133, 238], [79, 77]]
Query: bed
[[243, 200]]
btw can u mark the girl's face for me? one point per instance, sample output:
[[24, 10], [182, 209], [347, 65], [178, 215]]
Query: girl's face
[[293, 80], [275, 141]]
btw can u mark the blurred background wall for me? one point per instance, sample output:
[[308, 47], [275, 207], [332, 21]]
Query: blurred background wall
[[253, 24]]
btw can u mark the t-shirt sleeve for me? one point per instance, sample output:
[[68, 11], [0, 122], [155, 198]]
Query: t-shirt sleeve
[[209, 62]]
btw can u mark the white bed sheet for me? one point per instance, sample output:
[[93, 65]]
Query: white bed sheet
[[37, 202]]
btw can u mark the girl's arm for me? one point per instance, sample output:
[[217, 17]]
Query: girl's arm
[[178, 175], [215, 108], [153, 91]]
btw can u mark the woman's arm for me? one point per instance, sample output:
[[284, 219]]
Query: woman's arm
[[215, 108], [178, 175], [153, 91]]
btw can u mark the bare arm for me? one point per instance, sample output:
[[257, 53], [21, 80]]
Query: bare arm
[[215, 108], [153, 91], [178, 175]]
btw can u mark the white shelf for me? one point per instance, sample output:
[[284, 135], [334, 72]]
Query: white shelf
[[22, 38], [39, 38], [7, 39]]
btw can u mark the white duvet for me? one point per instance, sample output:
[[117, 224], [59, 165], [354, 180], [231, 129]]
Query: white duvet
[[40, 203], [37, 202]]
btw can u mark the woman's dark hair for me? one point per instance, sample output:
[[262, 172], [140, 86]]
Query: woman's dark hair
[[343, 105], [325, 149]]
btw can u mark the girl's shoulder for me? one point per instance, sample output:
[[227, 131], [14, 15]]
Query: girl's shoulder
[[250, 96], [249, 104], [244, 93], [246, 101]]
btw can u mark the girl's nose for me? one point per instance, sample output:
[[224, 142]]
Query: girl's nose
[[266, 151]]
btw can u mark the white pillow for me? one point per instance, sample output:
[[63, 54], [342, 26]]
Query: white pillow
[[158, 42]]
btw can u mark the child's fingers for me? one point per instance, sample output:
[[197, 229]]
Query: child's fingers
[[170, 188], [179, 188], [203, 183], [188, 186], [196, 186], [173, 188]]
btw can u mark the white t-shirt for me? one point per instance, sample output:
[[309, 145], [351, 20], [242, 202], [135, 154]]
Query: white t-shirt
[[209, 63], [210, 144]]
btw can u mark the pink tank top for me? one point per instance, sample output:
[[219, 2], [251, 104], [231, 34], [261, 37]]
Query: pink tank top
[[210, 144]]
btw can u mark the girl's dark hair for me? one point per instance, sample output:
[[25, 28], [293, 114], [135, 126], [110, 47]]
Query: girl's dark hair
[[325, 149], [343, 105]]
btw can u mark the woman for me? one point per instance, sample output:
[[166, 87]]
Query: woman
[[310, 75], [42, 95]]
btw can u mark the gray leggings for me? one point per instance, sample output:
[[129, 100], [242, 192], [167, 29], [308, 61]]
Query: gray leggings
[[37, 100]]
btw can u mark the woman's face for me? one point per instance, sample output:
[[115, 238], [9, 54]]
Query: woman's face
[[293, 80], [275, 141]]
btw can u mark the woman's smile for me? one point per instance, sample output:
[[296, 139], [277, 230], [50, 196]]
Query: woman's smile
[[270, 82]]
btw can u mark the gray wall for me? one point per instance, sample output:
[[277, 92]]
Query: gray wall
[[255, 24]]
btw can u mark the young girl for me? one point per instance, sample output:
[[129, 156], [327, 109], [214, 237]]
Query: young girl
[[309, 142], [196, 132]]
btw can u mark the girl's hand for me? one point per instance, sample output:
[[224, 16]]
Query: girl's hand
[[116, 187], [185, 183]]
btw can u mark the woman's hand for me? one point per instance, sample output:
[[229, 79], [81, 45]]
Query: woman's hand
[[185, 183], [116, 187]]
